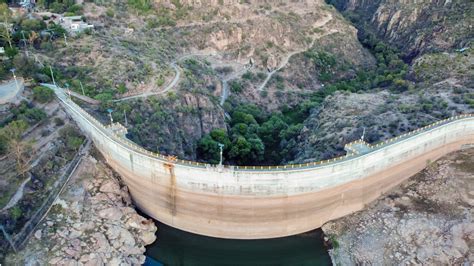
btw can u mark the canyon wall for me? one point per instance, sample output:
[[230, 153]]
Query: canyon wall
[[414, 26]]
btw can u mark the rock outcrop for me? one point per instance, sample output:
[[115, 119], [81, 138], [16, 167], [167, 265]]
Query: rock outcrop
[[91, 223], [428, 221], [416, 26]]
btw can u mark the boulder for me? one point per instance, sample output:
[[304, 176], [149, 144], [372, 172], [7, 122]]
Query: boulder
[[111, 213], [110, 186]]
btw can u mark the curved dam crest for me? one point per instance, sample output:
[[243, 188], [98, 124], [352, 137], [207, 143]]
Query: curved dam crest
[[256, 202]]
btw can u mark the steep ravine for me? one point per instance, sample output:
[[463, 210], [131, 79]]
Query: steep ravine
[[415, 27]]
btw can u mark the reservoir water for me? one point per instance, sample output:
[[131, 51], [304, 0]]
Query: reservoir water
[[176, 247]]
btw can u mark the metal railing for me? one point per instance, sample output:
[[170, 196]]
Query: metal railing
[[166, 158]]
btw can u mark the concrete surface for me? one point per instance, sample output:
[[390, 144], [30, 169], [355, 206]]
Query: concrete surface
[[253, 203], [10, 92]]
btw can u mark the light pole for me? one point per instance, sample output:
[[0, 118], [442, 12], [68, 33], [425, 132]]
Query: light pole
[[82, 88], [110, 115], [52, 76], [24, 43], [221, 147], [125, 114], [363, 134], [67, 88], [14, 76], [65, 39]]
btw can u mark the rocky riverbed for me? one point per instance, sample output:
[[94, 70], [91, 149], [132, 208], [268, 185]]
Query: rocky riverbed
[[428, 220], [93, 222]]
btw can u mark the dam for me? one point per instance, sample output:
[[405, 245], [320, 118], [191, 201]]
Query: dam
[[257, 202]]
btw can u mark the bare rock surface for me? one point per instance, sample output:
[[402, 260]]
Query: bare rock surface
[[91, 223], [427, 221]]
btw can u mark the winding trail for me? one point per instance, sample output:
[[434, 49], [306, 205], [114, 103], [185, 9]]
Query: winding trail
[[225, 83], [286, 59], [17, 196], [84, 98], [171, 85]]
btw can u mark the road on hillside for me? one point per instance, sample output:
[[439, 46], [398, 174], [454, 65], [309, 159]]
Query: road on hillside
[[10, 90]]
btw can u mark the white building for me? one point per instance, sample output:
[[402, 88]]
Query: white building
[[74, 24]]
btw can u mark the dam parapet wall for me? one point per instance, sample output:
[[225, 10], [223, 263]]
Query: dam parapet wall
[[267, 201]]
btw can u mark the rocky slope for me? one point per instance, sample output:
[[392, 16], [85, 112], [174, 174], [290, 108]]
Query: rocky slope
[[343, 117], [273, 54], [91, 223], [415, 27], [440, 83], [427, 221]]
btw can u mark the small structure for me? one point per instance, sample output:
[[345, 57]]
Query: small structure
[[74, 24], [28, 4], [357, 147]]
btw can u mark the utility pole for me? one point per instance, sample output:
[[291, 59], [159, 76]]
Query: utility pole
[[125, 114], [24, 43], [52, 76], [68, 90], [221, 146], [110, 115], [82, 88], [14, 76]]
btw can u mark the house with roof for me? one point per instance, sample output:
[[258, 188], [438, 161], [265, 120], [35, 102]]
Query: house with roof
[[74, 24]]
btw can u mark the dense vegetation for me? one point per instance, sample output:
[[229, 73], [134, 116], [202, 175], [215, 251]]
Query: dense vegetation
[[255, 137]]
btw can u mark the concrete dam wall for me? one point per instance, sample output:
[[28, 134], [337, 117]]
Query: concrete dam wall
[[267, 202]]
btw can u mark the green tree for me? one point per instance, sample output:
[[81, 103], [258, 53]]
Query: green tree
[[19, 149], [208, 149], [105, 99], [240, 150], [11, 52], [15, 212], [5, 16]]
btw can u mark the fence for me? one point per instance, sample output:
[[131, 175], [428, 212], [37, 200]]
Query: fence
[[18, 240]]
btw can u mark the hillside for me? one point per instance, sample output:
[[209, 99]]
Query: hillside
[[275, 82]]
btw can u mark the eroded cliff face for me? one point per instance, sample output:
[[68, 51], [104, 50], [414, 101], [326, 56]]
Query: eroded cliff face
[[415, 26], [174, 126], [259, 31]]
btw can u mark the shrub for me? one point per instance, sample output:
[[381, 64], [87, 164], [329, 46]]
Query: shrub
[[110, 12], [58, 121], [71, 137], [43, 94], [33, 25], [235, 86], [122, 88], [142, 5], [15, 213], [11, 52]]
